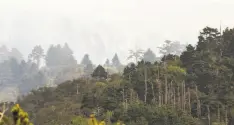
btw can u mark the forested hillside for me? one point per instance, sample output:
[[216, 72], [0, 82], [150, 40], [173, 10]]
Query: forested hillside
[[19, 76], [190, 87]]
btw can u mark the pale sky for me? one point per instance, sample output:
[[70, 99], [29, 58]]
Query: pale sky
[[103, 27]]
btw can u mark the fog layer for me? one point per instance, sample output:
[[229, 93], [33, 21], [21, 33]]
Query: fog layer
[[104, 27]]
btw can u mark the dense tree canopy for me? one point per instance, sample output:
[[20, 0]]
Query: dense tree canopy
[[58, 56], [186, 87], [99, 72]]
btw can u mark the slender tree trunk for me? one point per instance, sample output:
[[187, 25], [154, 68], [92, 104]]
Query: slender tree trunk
[[174, 97], [131, 95], [189, 101], [184, 89], [158, 71], [198, 103], [218, 114], [123, 95], [159, 94], [226, 116], [182, 96], [137, 98], [126, 104], [146, 86], [178, 96], [170, 95], [77, 88], [129, 76], [166, 89], [152, 87], [208, 114]]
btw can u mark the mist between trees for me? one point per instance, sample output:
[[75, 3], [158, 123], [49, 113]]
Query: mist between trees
[[188, 85]]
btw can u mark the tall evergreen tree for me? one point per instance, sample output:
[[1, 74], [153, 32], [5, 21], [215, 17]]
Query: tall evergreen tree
[[107, 63], [149, 56], [50, 56], [67, 55], [86, 60], [115, 61], [99, 72], [89, 69]]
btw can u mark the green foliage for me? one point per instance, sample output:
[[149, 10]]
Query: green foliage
[[176, 70], [99, 72], [19, 116], [6, 121], [79, 121], [194, 88]]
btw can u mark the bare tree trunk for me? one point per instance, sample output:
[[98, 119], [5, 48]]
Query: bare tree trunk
[[182, 96], [166, 89], [126, 104], [159, 94], [146, 86], [174, 97], [218, 114], [208, 114], [152, 87], [158, 71], [226, 116], [184, 89], [178, 96], [129, 76], [189, 101], [131, 96], [77, 89], [137, 98], [198, 103], [170, 93], [123, 95]]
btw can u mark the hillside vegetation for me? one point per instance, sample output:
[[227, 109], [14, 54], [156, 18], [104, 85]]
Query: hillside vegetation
[[195, 88]]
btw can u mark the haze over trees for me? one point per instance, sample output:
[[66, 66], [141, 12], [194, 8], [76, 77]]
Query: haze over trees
[[149, 56], [60, 65], [170, 47], [186, 87], [36, 55], [116, 61], [60, 56]]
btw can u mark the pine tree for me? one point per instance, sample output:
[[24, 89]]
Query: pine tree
[[115, 61], [149, 56], [99, 72]]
